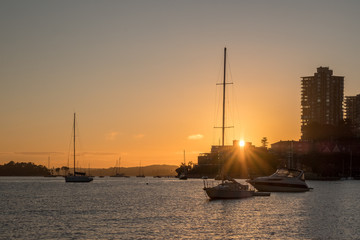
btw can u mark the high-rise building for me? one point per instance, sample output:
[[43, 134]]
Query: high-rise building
[[321, 99], [352, 112]]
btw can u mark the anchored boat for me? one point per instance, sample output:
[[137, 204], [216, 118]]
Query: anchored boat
[[229, 188], [283, 180], [77, 176]]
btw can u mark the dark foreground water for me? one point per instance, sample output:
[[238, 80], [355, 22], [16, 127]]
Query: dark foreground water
[[150, 208]]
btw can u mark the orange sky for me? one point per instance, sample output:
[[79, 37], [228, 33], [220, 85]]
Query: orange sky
[[141, 75]]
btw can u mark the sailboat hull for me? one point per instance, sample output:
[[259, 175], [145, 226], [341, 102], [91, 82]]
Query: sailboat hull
[[77, 176], [228, 190], [215, 193], [78, 179]]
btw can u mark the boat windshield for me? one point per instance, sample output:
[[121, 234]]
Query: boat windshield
[[287, 173]]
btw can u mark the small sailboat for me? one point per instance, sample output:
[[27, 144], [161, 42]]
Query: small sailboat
[[183, 175], [117, 169], [77, 176], [229, 188], [51, 174], [141, 174]]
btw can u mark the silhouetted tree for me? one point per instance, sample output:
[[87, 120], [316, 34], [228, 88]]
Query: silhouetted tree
[[23, 169], [264, 142]]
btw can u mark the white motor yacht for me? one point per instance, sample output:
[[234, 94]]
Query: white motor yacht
[[283, 180]]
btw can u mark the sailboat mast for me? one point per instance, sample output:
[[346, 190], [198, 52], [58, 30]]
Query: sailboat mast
[[74, 142], [119, 163], [184, 158], [185, 162], [224, 87]]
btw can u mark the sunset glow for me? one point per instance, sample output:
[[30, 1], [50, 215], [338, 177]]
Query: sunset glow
[[241, 143], [142, 77]]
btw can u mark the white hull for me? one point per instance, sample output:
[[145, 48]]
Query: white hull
[[78, 179], [283, 180]]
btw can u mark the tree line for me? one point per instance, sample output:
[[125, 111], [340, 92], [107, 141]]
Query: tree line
[[23, 169]]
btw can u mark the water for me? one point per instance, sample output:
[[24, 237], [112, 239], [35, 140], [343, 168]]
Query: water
[[152, 208]]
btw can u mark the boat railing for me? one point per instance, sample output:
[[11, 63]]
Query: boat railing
[[212, 183], [208, 184]]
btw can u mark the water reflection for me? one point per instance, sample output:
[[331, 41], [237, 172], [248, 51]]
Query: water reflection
[[125, 208]]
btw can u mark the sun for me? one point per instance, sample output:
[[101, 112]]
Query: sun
[[242, 143]]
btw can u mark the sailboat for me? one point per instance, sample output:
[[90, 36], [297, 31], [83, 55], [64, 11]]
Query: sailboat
[[117, 170], [141, 174], [77, 176], [229, 188], [51, 170], [183, 175]]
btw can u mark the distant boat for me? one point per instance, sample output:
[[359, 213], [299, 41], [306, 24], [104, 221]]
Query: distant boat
[[141, 174], [77, 176], [283, 180], [51, 172], [117, 170], [229, 188], [183, 175]]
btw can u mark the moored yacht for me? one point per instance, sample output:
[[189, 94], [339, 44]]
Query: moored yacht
[[228, 189], [77, 176], [283, 180]]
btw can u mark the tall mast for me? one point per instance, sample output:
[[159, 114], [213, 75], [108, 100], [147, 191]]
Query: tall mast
[[185, 162], [119, 163], [74, 144], [184, 158], [224, 87], [224, 83]]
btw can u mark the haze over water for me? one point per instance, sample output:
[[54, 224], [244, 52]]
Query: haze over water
[[141, 75], [149, 208]]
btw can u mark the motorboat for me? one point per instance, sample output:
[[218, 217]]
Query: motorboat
[[283, 180]]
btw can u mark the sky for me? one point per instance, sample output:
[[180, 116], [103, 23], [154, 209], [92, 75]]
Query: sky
[[141, 75]]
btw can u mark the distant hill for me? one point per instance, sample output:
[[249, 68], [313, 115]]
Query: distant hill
[[152, 170], [30, 169]]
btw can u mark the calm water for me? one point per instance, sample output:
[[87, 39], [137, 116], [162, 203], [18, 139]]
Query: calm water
[[129, 208]]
